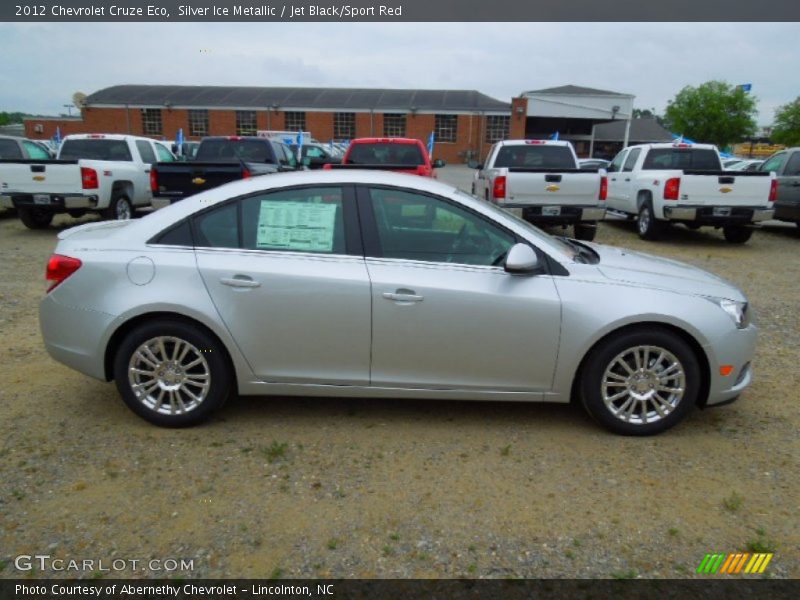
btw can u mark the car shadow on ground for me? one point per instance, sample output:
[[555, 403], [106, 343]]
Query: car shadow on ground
[[705, 236]]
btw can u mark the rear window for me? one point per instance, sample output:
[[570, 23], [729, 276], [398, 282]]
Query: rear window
[[386, 154], [95, 149], [234, 151], [10, 149], [675, 158], [535, 157]]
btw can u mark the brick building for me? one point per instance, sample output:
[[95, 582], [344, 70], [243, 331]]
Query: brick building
[[465, 122]]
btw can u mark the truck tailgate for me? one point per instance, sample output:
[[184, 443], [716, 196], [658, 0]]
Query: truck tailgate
[[537, 187], [724, 188], [180, 179], [42, 177]]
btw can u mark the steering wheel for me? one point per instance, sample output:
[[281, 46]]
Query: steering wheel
[[464, 244]]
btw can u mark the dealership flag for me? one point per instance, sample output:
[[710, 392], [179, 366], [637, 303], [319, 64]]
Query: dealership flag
[[179, 140], [746, 87], [554, 136], [57, 137], [431, 139]]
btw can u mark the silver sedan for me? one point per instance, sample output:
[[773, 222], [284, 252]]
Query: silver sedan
[[368, 283]]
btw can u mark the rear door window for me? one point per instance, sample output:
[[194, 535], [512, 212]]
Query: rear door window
[[146, 152], [10, 149], [95, 149], [35, 151]]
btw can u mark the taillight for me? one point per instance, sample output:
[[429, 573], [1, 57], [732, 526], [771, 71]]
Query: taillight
[[672, 188], [89, 179], [59, 268], [246, 174], [603, 188], [499, 188], [153, 180], [773, 190]]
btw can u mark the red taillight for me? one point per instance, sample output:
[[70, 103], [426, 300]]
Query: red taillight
[[671, 188], [153, 180], [246, 174], [773, 190], [603, 188], [59, 268], [89, 179], [499, 188]]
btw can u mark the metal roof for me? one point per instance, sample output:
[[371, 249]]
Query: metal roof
[[576, 90], [642, 130], [288, 98]]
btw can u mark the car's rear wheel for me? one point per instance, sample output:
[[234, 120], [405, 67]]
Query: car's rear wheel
[[586, 231], [119, 209], [35, 218], [641, 382], [647, 226], [737, 234], [171, 373]]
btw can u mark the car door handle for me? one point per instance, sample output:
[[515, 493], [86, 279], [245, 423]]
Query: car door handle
[[402, 296], [240, 281], [613, 179], [627, 179]]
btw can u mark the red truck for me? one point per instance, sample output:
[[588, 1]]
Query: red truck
[[404, 155]]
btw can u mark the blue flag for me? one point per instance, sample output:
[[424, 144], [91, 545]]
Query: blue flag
[[431, 139], [57, 137], [746, 87], [179, 140], [554, 136]]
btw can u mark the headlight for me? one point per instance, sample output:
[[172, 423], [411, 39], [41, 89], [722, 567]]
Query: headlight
[[736, 311]]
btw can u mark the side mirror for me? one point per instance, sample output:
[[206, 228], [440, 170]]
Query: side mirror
[[521, 260], [474, 164], [438, 163]]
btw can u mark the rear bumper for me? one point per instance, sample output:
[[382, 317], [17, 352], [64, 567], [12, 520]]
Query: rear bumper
[[556, 213], [54, 202], [718, 215], [787, 212]]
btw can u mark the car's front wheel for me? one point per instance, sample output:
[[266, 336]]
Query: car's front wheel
[[641, 382], [172, 373]]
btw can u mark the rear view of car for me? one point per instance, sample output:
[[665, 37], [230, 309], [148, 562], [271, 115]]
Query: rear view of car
[[403, 155]]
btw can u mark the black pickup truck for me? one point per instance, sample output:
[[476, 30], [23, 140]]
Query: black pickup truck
[[218, 160]]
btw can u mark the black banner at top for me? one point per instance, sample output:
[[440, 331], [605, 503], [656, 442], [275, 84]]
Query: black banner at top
[[399, 10]]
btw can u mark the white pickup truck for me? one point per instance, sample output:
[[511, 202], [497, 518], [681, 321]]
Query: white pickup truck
[[685, 183], [109, 174], [540, 181]]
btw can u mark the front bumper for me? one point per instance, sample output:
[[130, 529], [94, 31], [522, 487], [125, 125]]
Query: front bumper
[[736, 348], [554, 213], [54, 202], [718, 215]]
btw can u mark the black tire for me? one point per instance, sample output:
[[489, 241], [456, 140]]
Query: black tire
[[693, 226], [646, 225], [119, 209], [35, 218], [164, 380], [605, 357], [77, 213], [737, 234], [585, 231]]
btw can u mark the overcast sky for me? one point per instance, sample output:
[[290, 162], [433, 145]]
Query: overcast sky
[[44, 64]]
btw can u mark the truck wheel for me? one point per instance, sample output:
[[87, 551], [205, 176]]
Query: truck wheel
[[585, 231], [119, 209], [35, 218], [77, 213], [647, 226], [737, 234]]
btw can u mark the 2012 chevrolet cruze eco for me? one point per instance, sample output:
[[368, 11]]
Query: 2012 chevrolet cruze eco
[[367, 283]]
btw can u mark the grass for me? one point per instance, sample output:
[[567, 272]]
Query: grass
[[576, 542], [505, 450], [762, 544], [274, 452], [472, 568], [629, 574], [733, 502], [672, 531], [277, 573], [570, 554], [388, 551], [333, 543], [395, 537]]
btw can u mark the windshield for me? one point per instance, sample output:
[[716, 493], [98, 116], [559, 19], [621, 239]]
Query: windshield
[[225, 150], [557, 245], [95, 149], [535, 157], [386, 154], [679, 158]]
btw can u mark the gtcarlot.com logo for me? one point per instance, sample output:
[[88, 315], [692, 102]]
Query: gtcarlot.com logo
[[734, 564], [45, 562]]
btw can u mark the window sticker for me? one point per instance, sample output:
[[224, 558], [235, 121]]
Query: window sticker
[[296, 226]]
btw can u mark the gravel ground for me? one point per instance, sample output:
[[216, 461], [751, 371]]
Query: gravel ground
[[300, 487]]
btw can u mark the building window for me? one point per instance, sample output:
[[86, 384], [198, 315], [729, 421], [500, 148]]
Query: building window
[[496, 128], [198, 122], [151, 121], [295, 121], [394, 125], [344, 126], [245, 122], [445, 128]]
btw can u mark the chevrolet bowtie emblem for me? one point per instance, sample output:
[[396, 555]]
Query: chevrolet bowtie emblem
[[198, 181], [552, 188], [38, 177], [725, 190]]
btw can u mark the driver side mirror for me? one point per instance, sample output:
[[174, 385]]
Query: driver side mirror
[[438, 163], [474, 164], [521, 260]]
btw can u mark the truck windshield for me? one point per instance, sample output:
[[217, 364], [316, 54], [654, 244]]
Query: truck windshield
[[95, 149], [535, 157], [385, 154], [679, 158], [224, 150]]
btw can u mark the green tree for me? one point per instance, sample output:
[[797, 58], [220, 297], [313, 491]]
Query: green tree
[[786, 129], [714, 112], [648, 113]]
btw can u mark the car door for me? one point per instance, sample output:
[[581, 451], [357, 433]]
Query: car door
[[286, 273], [616, 185], [142, 193], [789, 182], [444, 314], [627, 183]]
